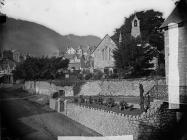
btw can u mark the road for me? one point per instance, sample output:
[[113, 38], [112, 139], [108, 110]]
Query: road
[[28, 120]]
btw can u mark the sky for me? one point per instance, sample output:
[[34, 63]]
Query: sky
[[82, 17]]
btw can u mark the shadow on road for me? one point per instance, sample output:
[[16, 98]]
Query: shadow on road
[[13, 111]]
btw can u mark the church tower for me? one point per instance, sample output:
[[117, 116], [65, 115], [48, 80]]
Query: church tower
[[135, 30]]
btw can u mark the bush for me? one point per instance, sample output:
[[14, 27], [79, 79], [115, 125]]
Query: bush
[[110, 102], [76, 100], [131, 107], [123, 105], [113, 76], [90, 100], [55, 95], [80, 76], [97, 75], [100, 100], [95, 100], [82, 100], [88, 76]]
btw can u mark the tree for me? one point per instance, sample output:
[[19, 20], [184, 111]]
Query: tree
[[40, 68], [128, 55], [134, 58]]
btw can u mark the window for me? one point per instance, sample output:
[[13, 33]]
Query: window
[[106, 53], [109, 53], [103, 54], [135, 23]]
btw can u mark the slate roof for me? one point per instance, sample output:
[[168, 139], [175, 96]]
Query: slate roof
[[106, 36]]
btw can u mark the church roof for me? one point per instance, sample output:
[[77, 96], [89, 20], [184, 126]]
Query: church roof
[[106, 36], [135, 17]]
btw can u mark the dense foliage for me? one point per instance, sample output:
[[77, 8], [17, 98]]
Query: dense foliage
[[130, 56], [40, 68]]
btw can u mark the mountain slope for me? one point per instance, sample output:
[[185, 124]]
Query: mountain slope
[[29, 37]]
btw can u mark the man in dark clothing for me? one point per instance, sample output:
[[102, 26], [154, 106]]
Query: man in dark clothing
[[141, 97]]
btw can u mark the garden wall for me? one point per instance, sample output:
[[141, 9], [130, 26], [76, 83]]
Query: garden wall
[[118, 87], [46, 88], [111, 124], [99, 87]]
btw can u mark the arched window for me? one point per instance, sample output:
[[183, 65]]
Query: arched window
[[109, 53], [103, 54], [135, 23], [106, 53]]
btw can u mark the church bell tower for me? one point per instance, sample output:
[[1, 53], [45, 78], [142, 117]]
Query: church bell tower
[[135, 30]]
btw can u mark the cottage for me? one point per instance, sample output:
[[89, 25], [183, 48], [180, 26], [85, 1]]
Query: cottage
[[175, 32]]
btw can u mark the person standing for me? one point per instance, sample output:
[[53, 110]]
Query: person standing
[[141, 97]]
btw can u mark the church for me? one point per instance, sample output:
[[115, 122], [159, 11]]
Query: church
[[103, 53], [99, 57]]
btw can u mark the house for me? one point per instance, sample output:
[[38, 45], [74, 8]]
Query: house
[[103, 54], [16, 56], [80, 58], [74, 61], [175, 32]]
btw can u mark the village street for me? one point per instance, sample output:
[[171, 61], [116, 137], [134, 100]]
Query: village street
[[27, 120]]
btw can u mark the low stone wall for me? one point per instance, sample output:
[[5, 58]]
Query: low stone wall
[[118, 87], [109, 123], [46, 88]]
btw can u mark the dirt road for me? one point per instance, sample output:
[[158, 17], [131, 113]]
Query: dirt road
[[27, 120]]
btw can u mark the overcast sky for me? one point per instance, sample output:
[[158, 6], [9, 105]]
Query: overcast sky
[[82, 17]]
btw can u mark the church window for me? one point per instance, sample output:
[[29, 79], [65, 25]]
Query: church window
[[103, 55], [109, 53], [135, 23], [106, 53]]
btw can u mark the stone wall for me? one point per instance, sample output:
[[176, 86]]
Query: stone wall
[[109, 123], [118, 87], [91, 88], [46, 88]]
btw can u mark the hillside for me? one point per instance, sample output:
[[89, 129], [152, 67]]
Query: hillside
[[38, 40]]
